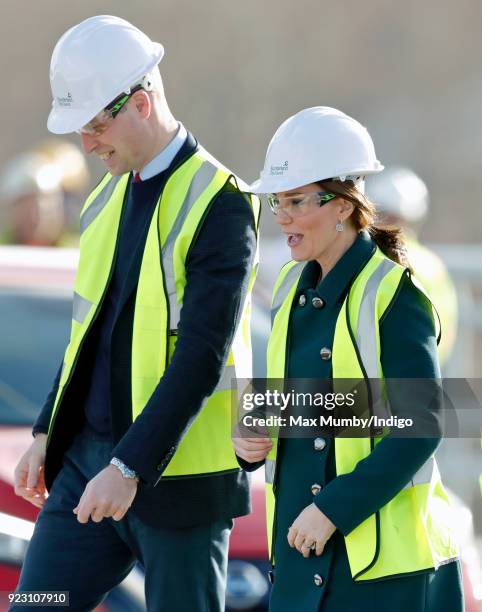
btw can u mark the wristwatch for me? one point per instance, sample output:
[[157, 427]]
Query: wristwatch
[[125, 471]]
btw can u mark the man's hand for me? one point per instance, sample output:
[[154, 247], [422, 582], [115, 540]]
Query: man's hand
[[310, 531], [29, 478], [109, 494], [251, 449]]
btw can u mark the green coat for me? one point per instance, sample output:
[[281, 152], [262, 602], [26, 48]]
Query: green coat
[[408, 350]]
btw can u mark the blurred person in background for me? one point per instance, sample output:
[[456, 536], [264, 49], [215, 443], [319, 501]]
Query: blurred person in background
[[133, 443], [74, 176], [402, 200], [30, 191], [356, 524]]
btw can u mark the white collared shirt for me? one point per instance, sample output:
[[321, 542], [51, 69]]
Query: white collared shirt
[[163, 160]]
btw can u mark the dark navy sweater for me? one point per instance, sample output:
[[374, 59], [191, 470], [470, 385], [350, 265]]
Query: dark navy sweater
[[138, 209]]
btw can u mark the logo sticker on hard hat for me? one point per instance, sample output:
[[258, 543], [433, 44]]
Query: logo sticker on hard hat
[[279, 170], [66, 101]]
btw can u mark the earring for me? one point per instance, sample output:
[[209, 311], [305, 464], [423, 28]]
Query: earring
[[339, 226]]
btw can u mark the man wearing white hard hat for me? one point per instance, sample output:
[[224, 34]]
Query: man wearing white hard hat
[[357, 516], [133, 443]]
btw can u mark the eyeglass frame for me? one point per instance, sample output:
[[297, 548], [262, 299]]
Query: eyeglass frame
[[323, 198], [110, 111]]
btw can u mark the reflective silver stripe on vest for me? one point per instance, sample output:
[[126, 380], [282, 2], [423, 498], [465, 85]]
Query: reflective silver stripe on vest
[[226, 381], [199, 184], [285, 287], [423, 475], [80, 308], [98, 204], [269, 468], [366, 332], [367, 338]]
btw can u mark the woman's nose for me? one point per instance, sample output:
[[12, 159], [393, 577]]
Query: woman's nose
[[282, 217]]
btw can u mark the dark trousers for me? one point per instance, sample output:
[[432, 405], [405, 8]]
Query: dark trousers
[[185, 568]]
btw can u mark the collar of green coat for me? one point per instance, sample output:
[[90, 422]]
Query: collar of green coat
[[334, 287]]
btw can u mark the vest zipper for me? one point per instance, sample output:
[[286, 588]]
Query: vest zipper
[[168, 308], [94, 318], [168, 315]]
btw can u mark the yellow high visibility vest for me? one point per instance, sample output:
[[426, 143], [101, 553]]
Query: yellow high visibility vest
[[412, 531], [206, 448]]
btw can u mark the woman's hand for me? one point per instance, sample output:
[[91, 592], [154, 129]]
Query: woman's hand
[[250, 449], [310, 531]]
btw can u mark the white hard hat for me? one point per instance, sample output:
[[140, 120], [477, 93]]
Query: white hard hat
[[92, 64], [28, 174], [316, 144], [400, 192]]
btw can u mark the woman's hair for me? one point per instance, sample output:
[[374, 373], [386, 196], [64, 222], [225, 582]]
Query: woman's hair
[[389, 239]]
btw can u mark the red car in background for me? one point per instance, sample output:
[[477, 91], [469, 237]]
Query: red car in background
[[35, 313]]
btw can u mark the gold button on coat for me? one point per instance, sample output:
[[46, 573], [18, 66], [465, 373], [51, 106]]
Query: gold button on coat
[[317, 302], [318, 580], [316, 488], [319, 444], [325, 353], [302, 300]]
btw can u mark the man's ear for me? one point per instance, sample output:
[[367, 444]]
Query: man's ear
[[142, 103]]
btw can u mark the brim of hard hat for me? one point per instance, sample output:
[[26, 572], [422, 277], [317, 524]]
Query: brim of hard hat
[[275, 185], [68, 120]]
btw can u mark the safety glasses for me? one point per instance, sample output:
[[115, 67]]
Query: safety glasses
[[99, 124], [298, 205]]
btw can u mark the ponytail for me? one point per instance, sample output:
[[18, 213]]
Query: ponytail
[[390, 240]]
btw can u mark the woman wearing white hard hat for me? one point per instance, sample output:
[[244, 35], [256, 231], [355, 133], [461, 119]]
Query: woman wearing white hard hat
[[360, 523]]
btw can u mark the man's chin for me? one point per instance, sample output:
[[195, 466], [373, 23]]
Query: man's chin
[[116, 171], [115, 167]]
